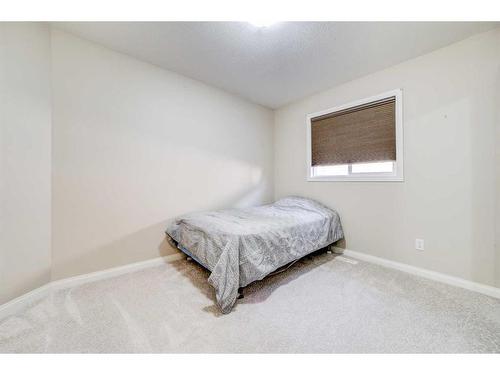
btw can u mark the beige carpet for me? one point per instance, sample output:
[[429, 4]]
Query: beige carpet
[[326, 304]]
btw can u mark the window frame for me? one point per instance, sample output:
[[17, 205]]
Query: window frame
[[396, 175]]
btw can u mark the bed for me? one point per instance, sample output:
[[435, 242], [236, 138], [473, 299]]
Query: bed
[[239, 246]]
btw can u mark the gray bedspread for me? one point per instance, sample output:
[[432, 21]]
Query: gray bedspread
[[240, 246]]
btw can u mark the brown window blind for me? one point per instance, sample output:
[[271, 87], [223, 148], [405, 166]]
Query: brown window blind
[[358, 134]]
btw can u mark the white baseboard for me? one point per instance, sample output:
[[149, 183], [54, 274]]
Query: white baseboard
[[432, 275], [112, 272], [18, 303], [24, 300]]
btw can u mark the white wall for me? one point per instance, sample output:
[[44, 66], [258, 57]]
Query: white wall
[[134, 146], [451, 103], [497, 187], [25, 128]]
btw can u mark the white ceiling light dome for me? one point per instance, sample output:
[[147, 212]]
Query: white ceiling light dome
[[260, 23]]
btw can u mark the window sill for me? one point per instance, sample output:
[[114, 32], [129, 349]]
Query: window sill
[[356, 179]]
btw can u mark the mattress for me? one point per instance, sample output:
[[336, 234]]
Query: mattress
[[239, 246]]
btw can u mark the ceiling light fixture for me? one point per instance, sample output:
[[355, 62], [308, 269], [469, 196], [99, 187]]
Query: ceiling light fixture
[[262, 23]]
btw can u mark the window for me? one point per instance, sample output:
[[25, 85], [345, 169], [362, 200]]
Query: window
[[361, 141]]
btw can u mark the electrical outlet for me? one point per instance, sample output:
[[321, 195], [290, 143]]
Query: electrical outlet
[[419, 244]]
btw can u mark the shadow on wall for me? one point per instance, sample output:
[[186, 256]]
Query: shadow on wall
[[114, 212], [146, 243]]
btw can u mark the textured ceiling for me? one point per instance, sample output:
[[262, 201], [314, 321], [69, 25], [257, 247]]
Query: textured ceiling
[[279, 64]]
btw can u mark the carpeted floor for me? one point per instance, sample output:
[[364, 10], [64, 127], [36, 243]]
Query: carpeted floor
[[325, 304]]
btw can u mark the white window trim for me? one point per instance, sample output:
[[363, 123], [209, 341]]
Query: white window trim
[[397, 175]]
